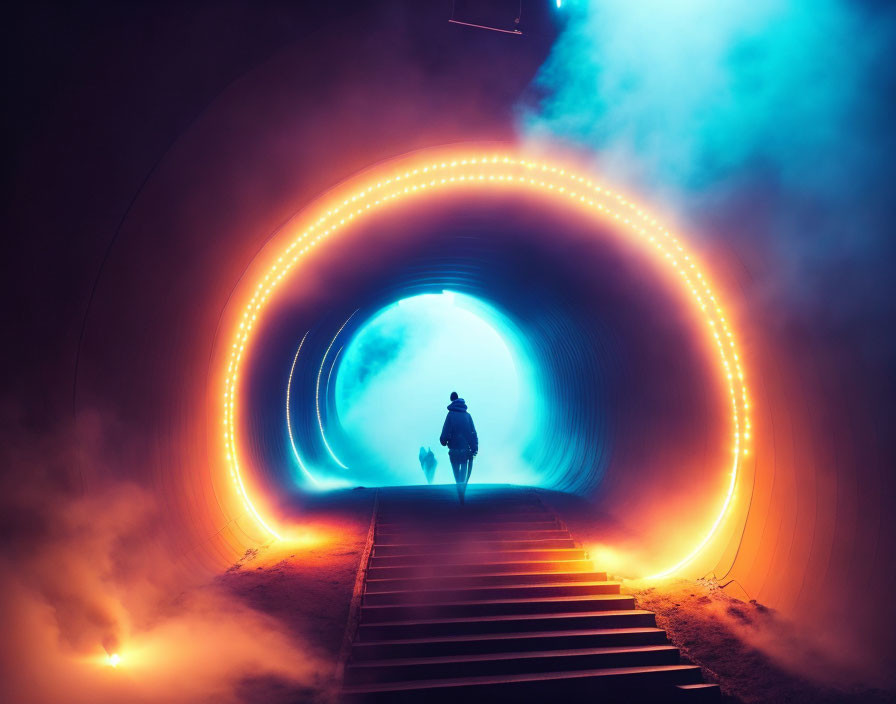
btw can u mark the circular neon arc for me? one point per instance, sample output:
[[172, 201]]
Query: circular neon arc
[[292, 441], [320, 420], [422, 176]]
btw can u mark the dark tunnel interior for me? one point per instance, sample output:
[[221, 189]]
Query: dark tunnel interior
[[158, 159], [612, 348]]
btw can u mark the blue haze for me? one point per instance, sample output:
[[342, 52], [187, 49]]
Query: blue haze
[[768, 123]]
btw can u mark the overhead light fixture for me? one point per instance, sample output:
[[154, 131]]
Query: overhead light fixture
[[488, 15]]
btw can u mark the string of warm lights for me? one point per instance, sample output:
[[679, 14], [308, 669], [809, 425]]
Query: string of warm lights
[[500, 172]]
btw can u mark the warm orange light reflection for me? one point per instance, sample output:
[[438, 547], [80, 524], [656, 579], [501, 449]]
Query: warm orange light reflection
[[421, 177], [306, 539]]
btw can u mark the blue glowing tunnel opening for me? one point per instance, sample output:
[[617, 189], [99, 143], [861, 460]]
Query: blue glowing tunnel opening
[[580, 366], [350, 379], [397, 370]]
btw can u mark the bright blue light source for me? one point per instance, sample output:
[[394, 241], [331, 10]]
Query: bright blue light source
[[397, 371]]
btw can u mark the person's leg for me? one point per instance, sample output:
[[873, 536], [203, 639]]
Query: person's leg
[[464, 474], [469, 469], [456, 467]]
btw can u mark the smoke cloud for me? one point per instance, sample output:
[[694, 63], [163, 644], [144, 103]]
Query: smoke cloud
[[86, 576], [766, 129], [760, 654], [765, 122], [409, 357]]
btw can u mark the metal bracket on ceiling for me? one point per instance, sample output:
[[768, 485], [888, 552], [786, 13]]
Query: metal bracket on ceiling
[[514, 28]]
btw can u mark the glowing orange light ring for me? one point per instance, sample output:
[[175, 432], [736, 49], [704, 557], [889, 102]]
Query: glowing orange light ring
[[427, 175]]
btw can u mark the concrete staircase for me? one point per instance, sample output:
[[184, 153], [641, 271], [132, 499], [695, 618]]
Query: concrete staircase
[[495, 601]]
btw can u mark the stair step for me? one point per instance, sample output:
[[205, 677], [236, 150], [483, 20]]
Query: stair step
[[507, 642], [473, 665], [420, 509], [495, 579], [468, 568], [494, 521], [459, 545], [515, 521], [448, 493], [458, 514], [635, 683], [471, 520], [495, 600], [700, 692], [504, 623], [468, 519], [492, 607], [478, 557], [506, 591], [435, 537]]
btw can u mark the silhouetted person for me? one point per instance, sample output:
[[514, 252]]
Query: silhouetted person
[[428, 463], [459, 434]]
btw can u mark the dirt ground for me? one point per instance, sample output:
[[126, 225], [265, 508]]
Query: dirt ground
[[307, 585], [752, 652]]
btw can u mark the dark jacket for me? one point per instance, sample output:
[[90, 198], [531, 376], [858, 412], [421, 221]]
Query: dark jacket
[[458, 432]]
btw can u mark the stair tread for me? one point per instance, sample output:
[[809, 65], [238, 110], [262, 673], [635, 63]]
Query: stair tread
[[699, 685], [474, 543], [439, 564], [463, 569], [494, 552], [520, 655], [498, 562], [473, 518], [511, 678], [543, 573], [469, 518], [511, 636], [540, 585], [423, 532], [472, 525], [511, 617], [526, 600], [468, 527]]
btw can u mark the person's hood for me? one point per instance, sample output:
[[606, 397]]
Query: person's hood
[[457, 405]]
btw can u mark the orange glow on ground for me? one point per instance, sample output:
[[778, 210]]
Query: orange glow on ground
[[419, 177]]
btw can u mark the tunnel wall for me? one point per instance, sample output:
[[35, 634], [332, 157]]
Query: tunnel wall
[[672, 448], [816, 524]]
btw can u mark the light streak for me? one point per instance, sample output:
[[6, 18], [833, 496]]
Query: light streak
[[295, 450], [418, 177], [320, 421], [330, 373]]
